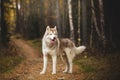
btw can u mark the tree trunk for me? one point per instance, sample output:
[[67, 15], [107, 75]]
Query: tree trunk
[[91, 34], [4, 29], [78, 23], [84, 22], [94, 18], [58, 19], [65, 20], [70, 20], [102, 23], [17, 18]]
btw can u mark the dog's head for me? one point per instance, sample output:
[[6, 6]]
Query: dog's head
[[51, 33]]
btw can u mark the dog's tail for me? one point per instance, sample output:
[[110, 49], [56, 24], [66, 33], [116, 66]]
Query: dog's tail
[[79, 49]]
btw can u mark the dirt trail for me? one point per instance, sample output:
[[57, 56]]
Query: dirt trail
[[30, 68], [26, 49]]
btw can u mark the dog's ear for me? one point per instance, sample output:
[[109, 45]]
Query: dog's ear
[[55, 27], [47, 28]]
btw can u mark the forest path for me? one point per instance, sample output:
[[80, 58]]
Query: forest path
[[26, 50], [30, 68]]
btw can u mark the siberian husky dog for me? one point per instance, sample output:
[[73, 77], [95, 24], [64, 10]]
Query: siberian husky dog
[[52, 45]]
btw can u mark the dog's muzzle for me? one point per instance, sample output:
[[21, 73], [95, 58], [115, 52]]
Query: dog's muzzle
[[54, 38], [53, 41]]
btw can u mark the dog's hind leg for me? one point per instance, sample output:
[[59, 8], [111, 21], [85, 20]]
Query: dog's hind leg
[[45, 58], [54, 60], [69, 60], [66, 68], [66, 51], [70, 65]]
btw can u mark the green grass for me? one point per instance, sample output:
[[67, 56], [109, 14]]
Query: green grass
[[100, 67], [7, 63], [87, 68], [85, 64]]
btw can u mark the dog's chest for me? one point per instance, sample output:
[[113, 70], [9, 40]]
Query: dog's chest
[[49, 50]]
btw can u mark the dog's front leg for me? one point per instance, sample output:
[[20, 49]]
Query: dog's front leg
[[44, 64], [54, 60], [70, 64]]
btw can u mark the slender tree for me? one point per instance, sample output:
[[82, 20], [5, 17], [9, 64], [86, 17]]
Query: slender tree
[[94, 18], [65, 20], [17, 18], [71, 20], [98, 28], [58, 17], [102, 23], [78, 23], [91, 34], [84, 21], [4, 29]]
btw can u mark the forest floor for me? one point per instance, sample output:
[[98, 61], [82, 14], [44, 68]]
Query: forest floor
[[86, 66], [30, 68]]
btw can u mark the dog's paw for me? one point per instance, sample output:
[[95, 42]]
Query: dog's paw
[[65, 71], [53, 73], [70, 72], [42, 72]]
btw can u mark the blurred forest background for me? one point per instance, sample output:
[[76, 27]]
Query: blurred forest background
[[93, 23]]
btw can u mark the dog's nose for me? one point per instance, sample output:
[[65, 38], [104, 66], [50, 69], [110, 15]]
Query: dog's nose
[[54, 38]]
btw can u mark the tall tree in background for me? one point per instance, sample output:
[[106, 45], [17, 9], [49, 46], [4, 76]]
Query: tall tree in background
[[42, 18], [84, 21], [65, 19], [17, 18], [70, 20], [4, 29], [94, 18], [79, 27], [97, 23], [93, 23], [102, 23], [58, 18]]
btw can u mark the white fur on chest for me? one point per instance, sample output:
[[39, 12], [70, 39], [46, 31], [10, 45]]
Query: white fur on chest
[[48, 50]]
